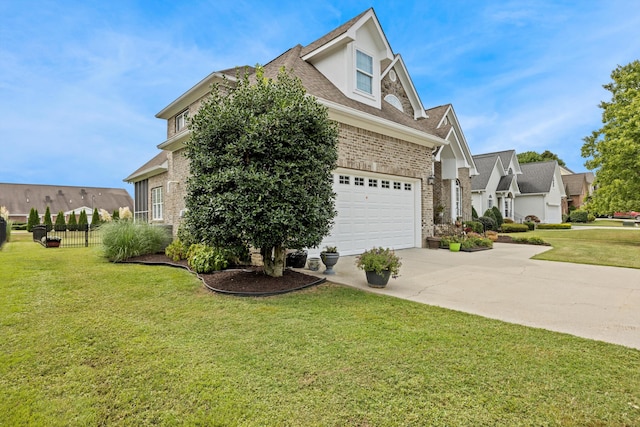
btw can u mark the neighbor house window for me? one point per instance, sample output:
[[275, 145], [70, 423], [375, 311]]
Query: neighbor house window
[[490, 202], [364, 72], [156, 203], [181, 120]]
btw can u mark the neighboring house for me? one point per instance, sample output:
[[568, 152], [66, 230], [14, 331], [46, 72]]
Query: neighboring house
[[20, 198], [578, 187], [385, 179], [496, 183], [542, 192]]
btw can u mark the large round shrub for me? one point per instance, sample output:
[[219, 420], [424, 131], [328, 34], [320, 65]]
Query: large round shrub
[[122, 240], [488, 223]]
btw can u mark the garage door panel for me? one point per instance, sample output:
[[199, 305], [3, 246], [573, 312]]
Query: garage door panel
[[371, 216]]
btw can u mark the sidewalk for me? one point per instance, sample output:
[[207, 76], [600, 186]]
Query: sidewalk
[[601, 303]]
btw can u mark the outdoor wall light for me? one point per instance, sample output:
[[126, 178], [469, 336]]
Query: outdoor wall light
[[431, 180]]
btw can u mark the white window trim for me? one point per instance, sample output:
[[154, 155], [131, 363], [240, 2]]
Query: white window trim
[[157, 204], [366, 73], [181, 120]]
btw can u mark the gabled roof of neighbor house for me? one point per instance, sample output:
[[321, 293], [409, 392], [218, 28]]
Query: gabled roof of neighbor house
[[574, 183], [537, 177], [485, 164], [20, 198]]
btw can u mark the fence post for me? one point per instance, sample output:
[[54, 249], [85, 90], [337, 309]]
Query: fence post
[[3, 231], [86, 237]]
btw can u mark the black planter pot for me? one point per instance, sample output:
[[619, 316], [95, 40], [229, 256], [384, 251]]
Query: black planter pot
[[376, 280], [297, 259]]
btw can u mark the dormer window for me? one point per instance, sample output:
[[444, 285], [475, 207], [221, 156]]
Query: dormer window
[[181, 120], [364, 72]]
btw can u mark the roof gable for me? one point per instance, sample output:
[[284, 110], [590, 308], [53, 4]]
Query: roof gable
[[537, 177]]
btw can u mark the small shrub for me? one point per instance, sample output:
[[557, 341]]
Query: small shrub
[[205, 259], [60, 224], [532, 218], [125, 239], [488, 222], [531, 225], [95, 218], [47, 219], [566, 218], [72, 225], [591, 218], [476, 242], [489, 214], [474, 213], [379, 260], [498, 216], [116, 215], [514, 228], [492, 235], [530, 240], [507, 221], [83, 222], [563, 226], [578, 216], [176, 250], [475, 226]]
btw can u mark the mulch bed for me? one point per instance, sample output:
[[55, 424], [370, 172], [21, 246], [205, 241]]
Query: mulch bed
[[243, 281]]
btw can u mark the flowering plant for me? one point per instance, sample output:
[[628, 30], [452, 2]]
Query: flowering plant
[[379, 260]]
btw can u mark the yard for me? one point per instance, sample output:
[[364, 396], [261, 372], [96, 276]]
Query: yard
[[85, 341]]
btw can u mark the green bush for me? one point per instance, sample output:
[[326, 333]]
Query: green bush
[[116, 215], [591, 218], [19, 226], [47, 219], [122, 240], [514, 228], [72, 225], [34, 219], [475, 242], [489, 214], [566, 218], [95, 218], [475, 226], [498, 216], [563, 226], [60, 224], [578, 216], [530, 224], [488, 222], [83, 222], [176, 250], [205, 259], [529, 240], [474, 213]]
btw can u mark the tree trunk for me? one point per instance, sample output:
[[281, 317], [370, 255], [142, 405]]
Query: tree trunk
[[273, 259]]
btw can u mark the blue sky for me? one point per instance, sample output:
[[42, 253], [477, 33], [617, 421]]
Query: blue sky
[[81, 82]]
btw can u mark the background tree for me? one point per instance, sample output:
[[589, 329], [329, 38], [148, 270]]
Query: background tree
[[116, 215], [83, 221], [72, 225], [95, 218], [269, 184], [34, 219], [47, 219], [545, 156], [614, 149], [60, 224]]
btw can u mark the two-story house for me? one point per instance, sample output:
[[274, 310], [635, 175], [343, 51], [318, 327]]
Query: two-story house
[[394, 156]]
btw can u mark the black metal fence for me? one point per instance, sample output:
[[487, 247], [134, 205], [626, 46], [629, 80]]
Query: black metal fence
[[68, 239], [3, 231]]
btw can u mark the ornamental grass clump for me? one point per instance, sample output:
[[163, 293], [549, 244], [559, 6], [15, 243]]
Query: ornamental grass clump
[[379, 260], [122, 240]]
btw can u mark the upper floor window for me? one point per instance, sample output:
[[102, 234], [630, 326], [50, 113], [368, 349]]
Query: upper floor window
[[364, 72], [181, 120]]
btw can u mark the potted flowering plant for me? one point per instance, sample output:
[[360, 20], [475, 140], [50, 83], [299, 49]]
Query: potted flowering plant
[[379, 264], [51, 242]]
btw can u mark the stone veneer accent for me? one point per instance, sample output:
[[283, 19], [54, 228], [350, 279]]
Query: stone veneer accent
[[395, 88]]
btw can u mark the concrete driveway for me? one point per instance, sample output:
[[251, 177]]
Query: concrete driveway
[[601, 303]]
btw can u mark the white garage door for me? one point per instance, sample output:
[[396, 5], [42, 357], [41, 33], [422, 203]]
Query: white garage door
[[373, 210]]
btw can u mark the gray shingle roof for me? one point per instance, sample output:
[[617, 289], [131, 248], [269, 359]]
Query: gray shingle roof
[[153, 164], [20, 198], [536, 177], [574, 183], [484, 166]]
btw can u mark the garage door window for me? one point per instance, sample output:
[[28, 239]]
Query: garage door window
[[373, 182], [407, 186], [384, 184], [345, 179], [397, 186], [358, 181]]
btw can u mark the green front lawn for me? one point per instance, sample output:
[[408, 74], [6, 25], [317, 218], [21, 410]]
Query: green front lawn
[[86, 342], [613, 247]]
